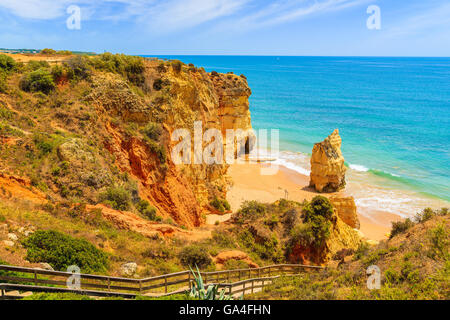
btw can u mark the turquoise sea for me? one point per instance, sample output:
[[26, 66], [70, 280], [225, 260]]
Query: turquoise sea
[[393, 115]]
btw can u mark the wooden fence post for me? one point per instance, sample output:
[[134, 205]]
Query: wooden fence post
[[165, 284], [109, 284], [253, 285], [35, 277], [189, 280]]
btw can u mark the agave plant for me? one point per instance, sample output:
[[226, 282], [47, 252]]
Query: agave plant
[[199, 291]]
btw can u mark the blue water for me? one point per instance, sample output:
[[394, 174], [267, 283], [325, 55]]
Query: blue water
[[392, 113]]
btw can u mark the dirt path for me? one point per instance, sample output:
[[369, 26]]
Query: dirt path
[[212, 218]]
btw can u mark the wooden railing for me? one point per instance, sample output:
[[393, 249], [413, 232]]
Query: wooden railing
[[159, 285]]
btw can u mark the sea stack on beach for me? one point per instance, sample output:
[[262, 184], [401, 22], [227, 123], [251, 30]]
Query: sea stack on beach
[[327, 164]]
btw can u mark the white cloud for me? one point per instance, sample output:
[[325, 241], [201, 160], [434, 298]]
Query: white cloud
[[35, 9], [437, 19], [52, 9], [172, 15], [285, 11], [176, 14]]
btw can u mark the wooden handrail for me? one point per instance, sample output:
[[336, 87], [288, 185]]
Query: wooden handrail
[[97, 293], [142, 285]]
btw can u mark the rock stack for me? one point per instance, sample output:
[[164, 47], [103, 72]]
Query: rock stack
[[327, 164], [346, 210]]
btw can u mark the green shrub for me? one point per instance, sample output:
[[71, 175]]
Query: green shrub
[[302, 234], [61, 251], [3, 83], [425, 215], [7, 130], [44, 143], [265, 248], [316, 217], [319, 206], [5, 113], [223, 239], [273, 221], [40, 80], [362, 250], [429, 213], [146, 209], [78, 68], [7, 63], [400, 227], [235, 264], [392, 276], [152, 131], [117, 197], [57, 72], [159, 150], [439, 239], [193, 255], [221, 205], [176, 65], [47, 51], [129, 66], [64, 52], [252, 209], [34, 65]]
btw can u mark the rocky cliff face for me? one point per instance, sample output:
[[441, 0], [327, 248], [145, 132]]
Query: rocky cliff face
[[346, 210], [179, 98], [327, 164]]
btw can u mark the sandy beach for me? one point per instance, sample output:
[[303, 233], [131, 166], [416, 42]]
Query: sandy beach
[[249, 184]]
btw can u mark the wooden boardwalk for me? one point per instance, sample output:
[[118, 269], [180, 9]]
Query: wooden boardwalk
[[235, 282]]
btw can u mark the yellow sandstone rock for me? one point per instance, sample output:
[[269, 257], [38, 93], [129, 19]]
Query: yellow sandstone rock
[[327, 164], [346, 210]]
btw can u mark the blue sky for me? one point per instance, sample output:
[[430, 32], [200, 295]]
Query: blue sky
[[247, 27]]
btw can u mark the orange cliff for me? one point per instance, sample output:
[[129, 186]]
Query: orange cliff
[[181, 192]]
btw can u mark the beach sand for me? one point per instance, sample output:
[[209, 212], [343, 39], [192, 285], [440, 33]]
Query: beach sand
[[249, 184]]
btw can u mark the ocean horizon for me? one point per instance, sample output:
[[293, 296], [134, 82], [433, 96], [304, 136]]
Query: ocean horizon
[[392, 114]]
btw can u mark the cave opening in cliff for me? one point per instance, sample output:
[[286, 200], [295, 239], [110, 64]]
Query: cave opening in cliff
[[247, 146]]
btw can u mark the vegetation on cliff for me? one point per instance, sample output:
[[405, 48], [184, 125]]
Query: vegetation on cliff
[[62, 251], [414, 264]]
